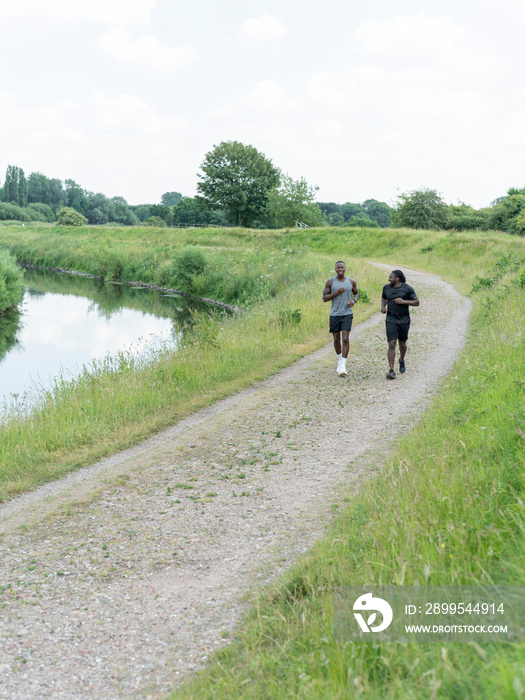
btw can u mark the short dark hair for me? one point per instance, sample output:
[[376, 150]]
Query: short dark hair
[[398, 273], [341, 261]]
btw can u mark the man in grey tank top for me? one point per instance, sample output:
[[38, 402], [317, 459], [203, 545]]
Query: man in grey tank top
[[343, 293]]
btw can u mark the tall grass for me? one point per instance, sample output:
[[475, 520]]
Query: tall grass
[[447, 509]]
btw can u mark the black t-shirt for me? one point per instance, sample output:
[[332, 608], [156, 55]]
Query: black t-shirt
[[398, 312]]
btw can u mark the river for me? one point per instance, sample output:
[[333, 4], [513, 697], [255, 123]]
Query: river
[[66, 322]]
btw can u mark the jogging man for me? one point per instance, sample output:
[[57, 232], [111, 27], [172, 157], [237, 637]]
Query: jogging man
[[343, 293], [397, 298]]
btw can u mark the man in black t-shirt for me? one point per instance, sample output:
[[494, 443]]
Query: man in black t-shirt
[[397, 298]]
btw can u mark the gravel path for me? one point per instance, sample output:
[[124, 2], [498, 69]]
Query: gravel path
[[120, 579]]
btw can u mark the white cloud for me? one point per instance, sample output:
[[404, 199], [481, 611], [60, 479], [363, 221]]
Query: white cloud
[[32, 13], [147, 52], [115, 145], [328, 128], [129, 113], [422, 41], [512, 131], [417, 107], [259, 29], [271, 97]]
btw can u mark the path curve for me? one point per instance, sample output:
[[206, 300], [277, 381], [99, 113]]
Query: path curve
[[119, 579]]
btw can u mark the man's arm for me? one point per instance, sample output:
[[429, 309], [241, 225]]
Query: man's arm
[[384, 304], [355, 293], [408, 302], [327, 292]]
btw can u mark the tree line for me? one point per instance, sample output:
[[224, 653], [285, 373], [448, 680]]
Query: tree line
[[40, 198], [425, 209], [239, 186]]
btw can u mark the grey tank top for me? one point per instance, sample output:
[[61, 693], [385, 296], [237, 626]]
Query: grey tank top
[[340, 302]]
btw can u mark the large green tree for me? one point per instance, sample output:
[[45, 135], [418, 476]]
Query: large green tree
[[45, 190], [508, 213], [422, 208], [378, 211], [14, 190], [238, 179], [292, 201], [170, 199], [76, 197]]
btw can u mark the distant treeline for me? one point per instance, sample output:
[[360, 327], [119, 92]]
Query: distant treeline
[[370, 213], [39, 198]]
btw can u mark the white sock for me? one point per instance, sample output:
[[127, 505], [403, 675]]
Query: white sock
[[343, 361], [340, 356]]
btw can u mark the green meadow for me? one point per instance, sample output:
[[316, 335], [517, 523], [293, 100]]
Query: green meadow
[[448, 506]]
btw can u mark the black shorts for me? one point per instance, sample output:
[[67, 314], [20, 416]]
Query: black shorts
[[341, 323], [397, 331]]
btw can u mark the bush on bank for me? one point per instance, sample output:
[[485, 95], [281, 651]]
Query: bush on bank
[[11, 282]]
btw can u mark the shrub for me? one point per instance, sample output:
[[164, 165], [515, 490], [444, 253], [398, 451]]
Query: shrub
[[43, 210], [12, 212], [290, 317], [190, 264], [67, 216], [421, 208]]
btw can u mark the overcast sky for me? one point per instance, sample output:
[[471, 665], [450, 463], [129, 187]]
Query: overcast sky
[[365, 100]]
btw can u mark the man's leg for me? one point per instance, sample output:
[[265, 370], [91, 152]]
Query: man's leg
[[341, 367], [392, 352], [346, 344], [403, 336], [337, 343]]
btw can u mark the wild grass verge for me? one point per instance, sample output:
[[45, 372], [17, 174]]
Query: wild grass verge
[[458, 256], [447, 509]]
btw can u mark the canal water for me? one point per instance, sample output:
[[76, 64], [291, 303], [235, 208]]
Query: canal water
[[66, 322]]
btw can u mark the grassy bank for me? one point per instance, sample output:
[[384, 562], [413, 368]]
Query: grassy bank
[[121, 401], [447, 509], [11, 285], [235, 266], [458, 256]]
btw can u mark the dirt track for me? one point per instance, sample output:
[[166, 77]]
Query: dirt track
[[121, 578]]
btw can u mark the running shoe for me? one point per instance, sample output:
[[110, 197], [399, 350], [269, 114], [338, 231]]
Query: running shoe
[[391, 374], [402, 367], [341, 371]]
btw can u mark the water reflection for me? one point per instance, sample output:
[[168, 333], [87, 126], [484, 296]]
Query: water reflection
[[10, 323], [66, 322]]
